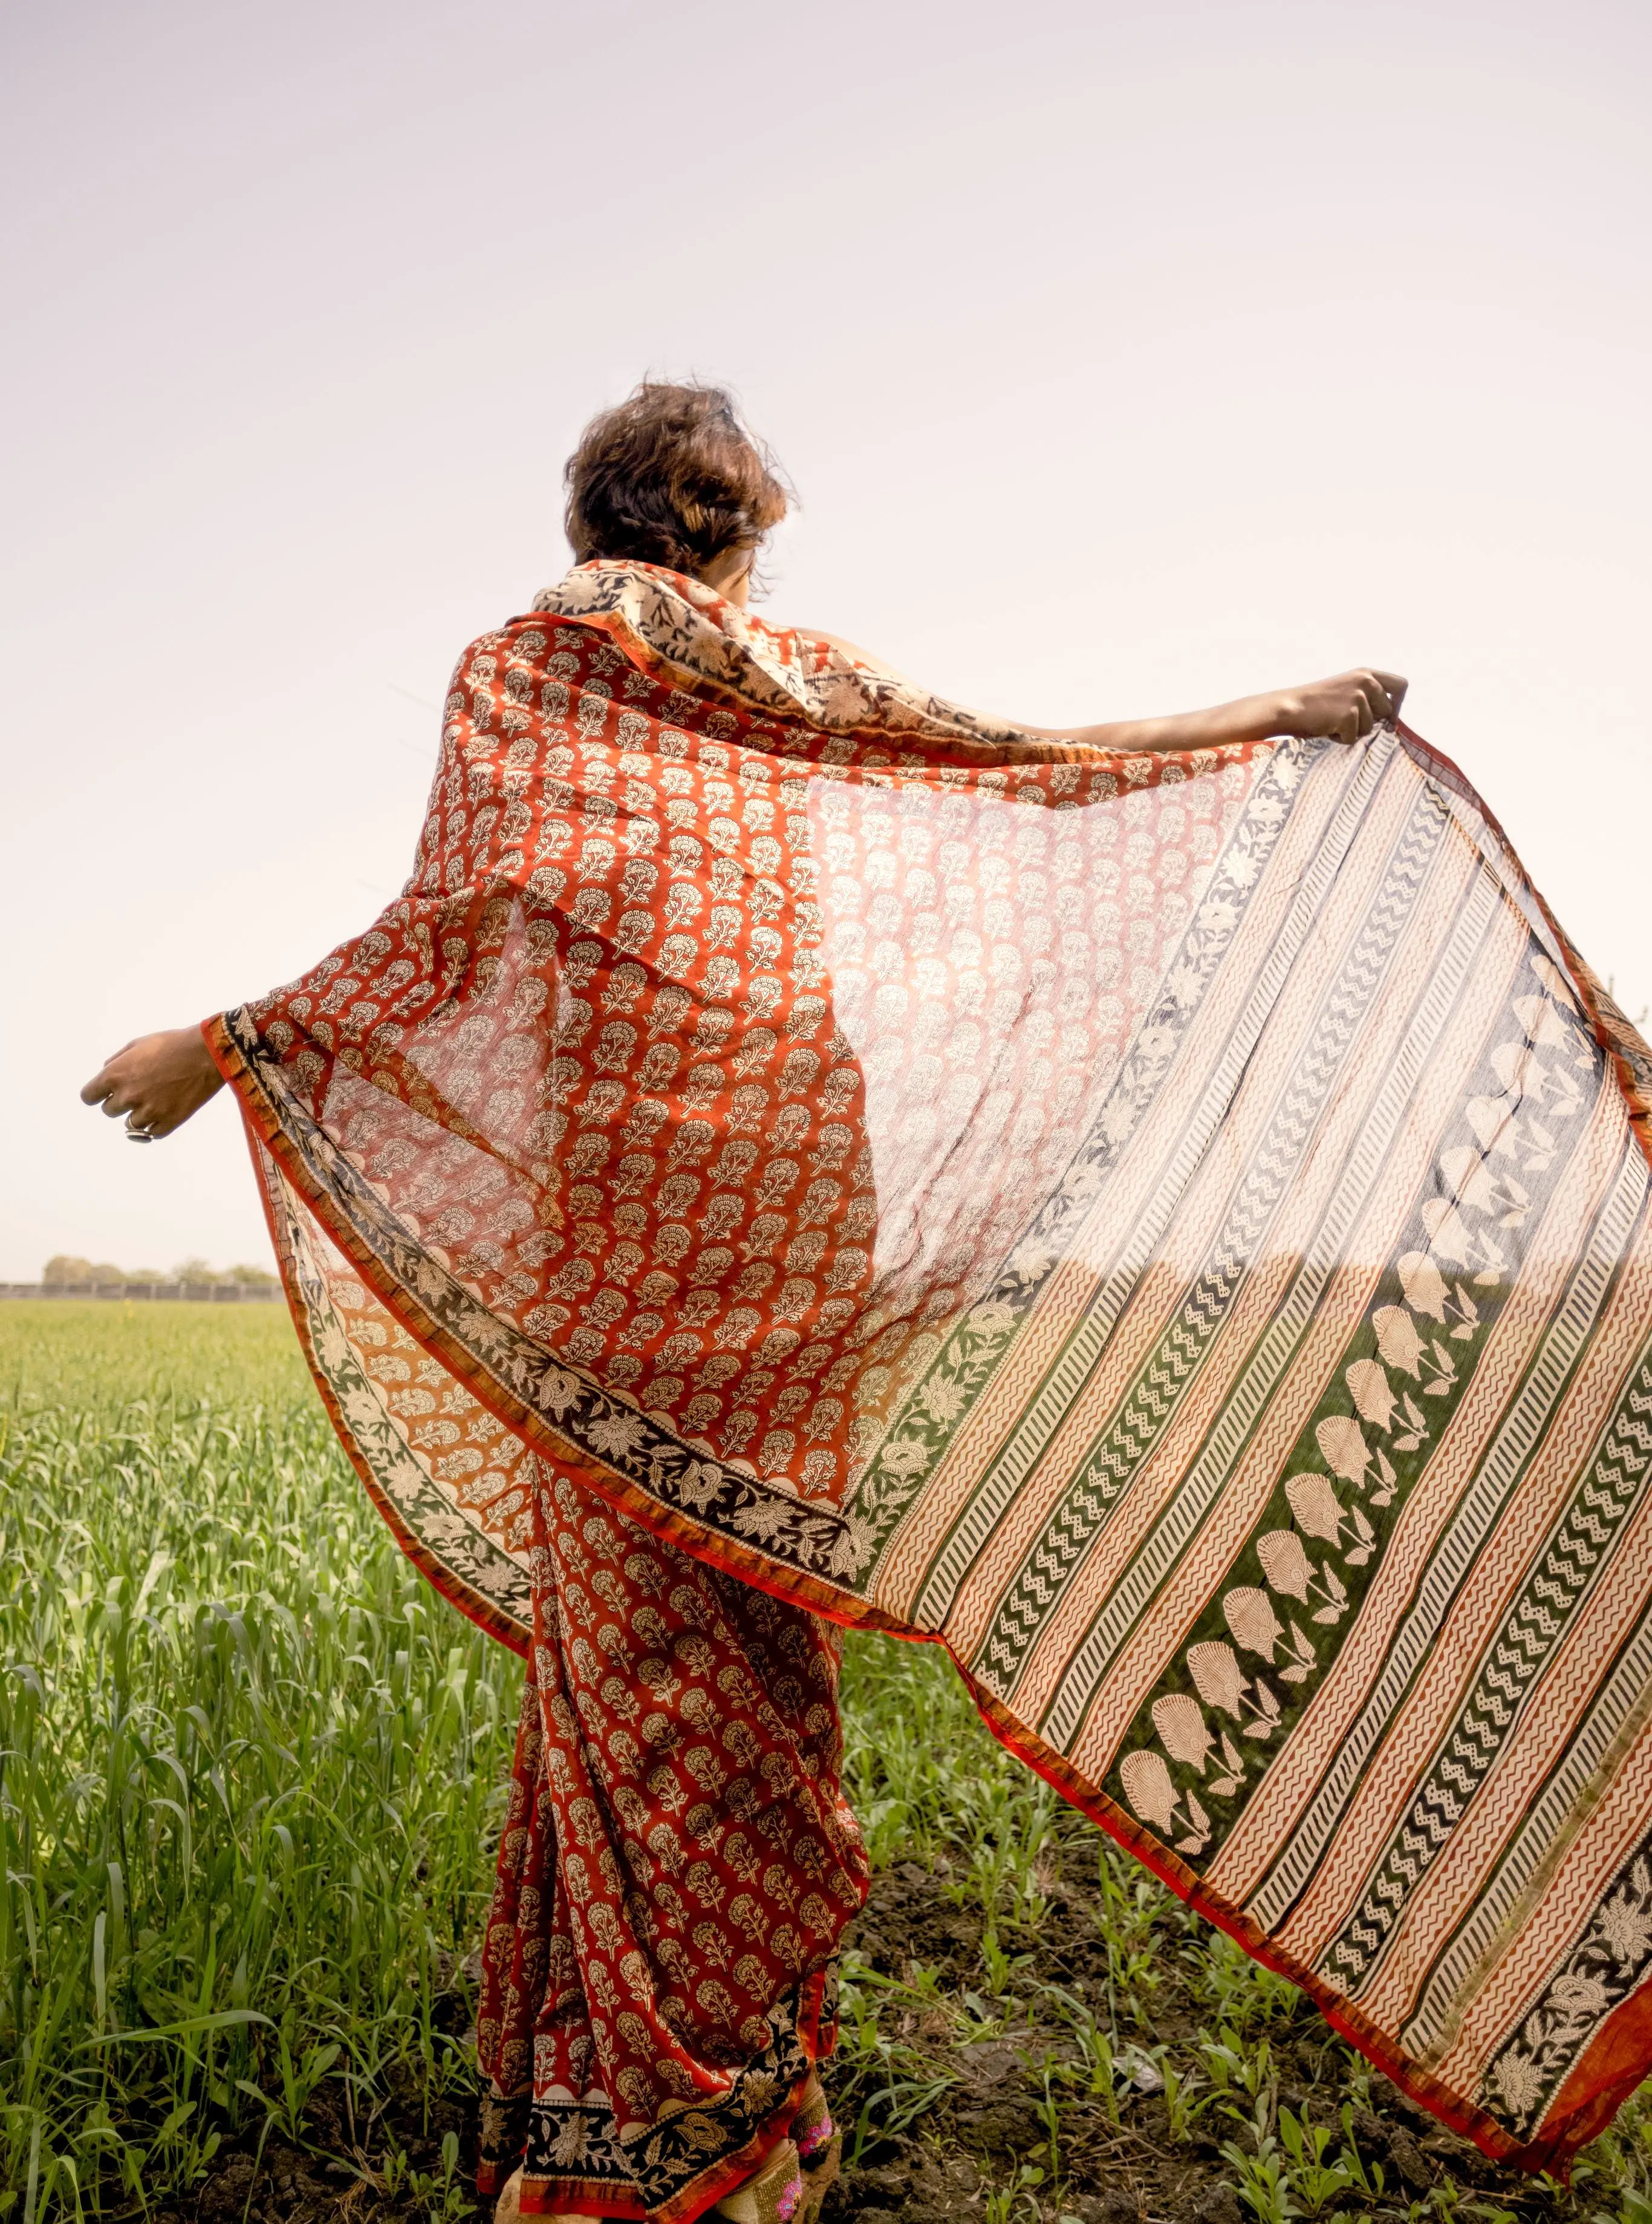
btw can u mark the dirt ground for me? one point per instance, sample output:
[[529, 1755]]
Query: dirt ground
[[980, 2144], [992, 2121]]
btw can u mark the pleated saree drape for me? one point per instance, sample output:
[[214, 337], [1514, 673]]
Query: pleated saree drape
[[1173, 1229]]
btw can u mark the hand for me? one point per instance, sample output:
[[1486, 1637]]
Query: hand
[[157, 1082], [1343, 708]]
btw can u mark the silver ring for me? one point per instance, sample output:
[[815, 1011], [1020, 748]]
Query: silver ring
[[139, 1135]]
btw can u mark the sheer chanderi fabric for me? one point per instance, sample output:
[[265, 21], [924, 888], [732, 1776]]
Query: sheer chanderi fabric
[[1173, 1229]]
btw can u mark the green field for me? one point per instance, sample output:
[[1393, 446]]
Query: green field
[[251, 1780]]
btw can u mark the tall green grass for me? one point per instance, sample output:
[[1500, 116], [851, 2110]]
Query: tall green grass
[[251, 1775], [250, 1763]]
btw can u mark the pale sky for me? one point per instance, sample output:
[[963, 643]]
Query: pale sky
[[1125, 358]]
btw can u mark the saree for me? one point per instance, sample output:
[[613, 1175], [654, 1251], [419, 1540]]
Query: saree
[[675, 1869], [1172, 1228]]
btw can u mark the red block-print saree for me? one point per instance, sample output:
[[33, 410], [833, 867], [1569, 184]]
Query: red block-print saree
[[675, 1871], [1173, 1229]]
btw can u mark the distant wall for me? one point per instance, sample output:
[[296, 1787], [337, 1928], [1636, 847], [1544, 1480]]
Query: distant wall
[[214, 1293]]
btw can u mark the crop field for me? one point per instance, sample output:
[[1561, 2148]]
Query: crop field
[[249, 1784]]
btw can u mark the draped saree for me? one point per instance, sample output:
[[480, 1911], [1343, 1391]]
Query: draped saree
[[1173, 1229]]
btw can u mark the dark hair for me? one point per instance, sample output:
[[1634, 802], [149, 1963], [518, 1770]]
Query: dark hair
[[670, 476]]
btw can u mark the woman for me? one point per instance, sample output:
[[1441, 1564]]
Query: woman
[[677, 1865]]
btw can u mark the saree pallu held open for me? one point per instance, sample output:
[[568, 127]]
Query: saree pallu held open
[[1173, 1229]]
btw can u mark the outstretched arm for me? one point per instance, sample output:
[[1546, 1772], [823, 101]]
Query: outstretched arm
[[157, 1082], [1343, 708]]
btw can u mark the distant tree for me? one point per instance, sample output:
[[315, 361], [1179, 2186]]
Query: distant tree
[[65, 1267]]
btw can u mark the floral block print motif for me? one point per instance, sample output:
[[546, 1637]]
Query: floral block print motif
[[1172, 1228], [676, 1868]]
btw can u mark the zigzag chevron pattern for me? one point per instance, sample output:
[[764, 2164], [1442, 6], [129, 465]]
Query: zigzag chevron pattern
[[1572, 1558], [1157, 1390]]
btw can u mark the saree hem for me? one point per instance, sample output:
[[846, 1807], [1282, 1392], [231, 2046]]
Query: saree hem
[[704, 2192], [489, 1619], [542, 2198], [549, 2196], [543, 2194], [264, 1126]]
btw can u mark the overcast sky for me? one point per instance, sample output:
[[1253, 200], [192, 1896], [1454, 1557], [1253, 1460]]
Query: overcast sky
[[1125, 357]]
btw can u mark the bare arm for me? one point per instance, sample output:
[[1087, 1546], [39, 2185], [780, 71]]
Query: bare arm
[[1343, 708], [159, 1081]]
